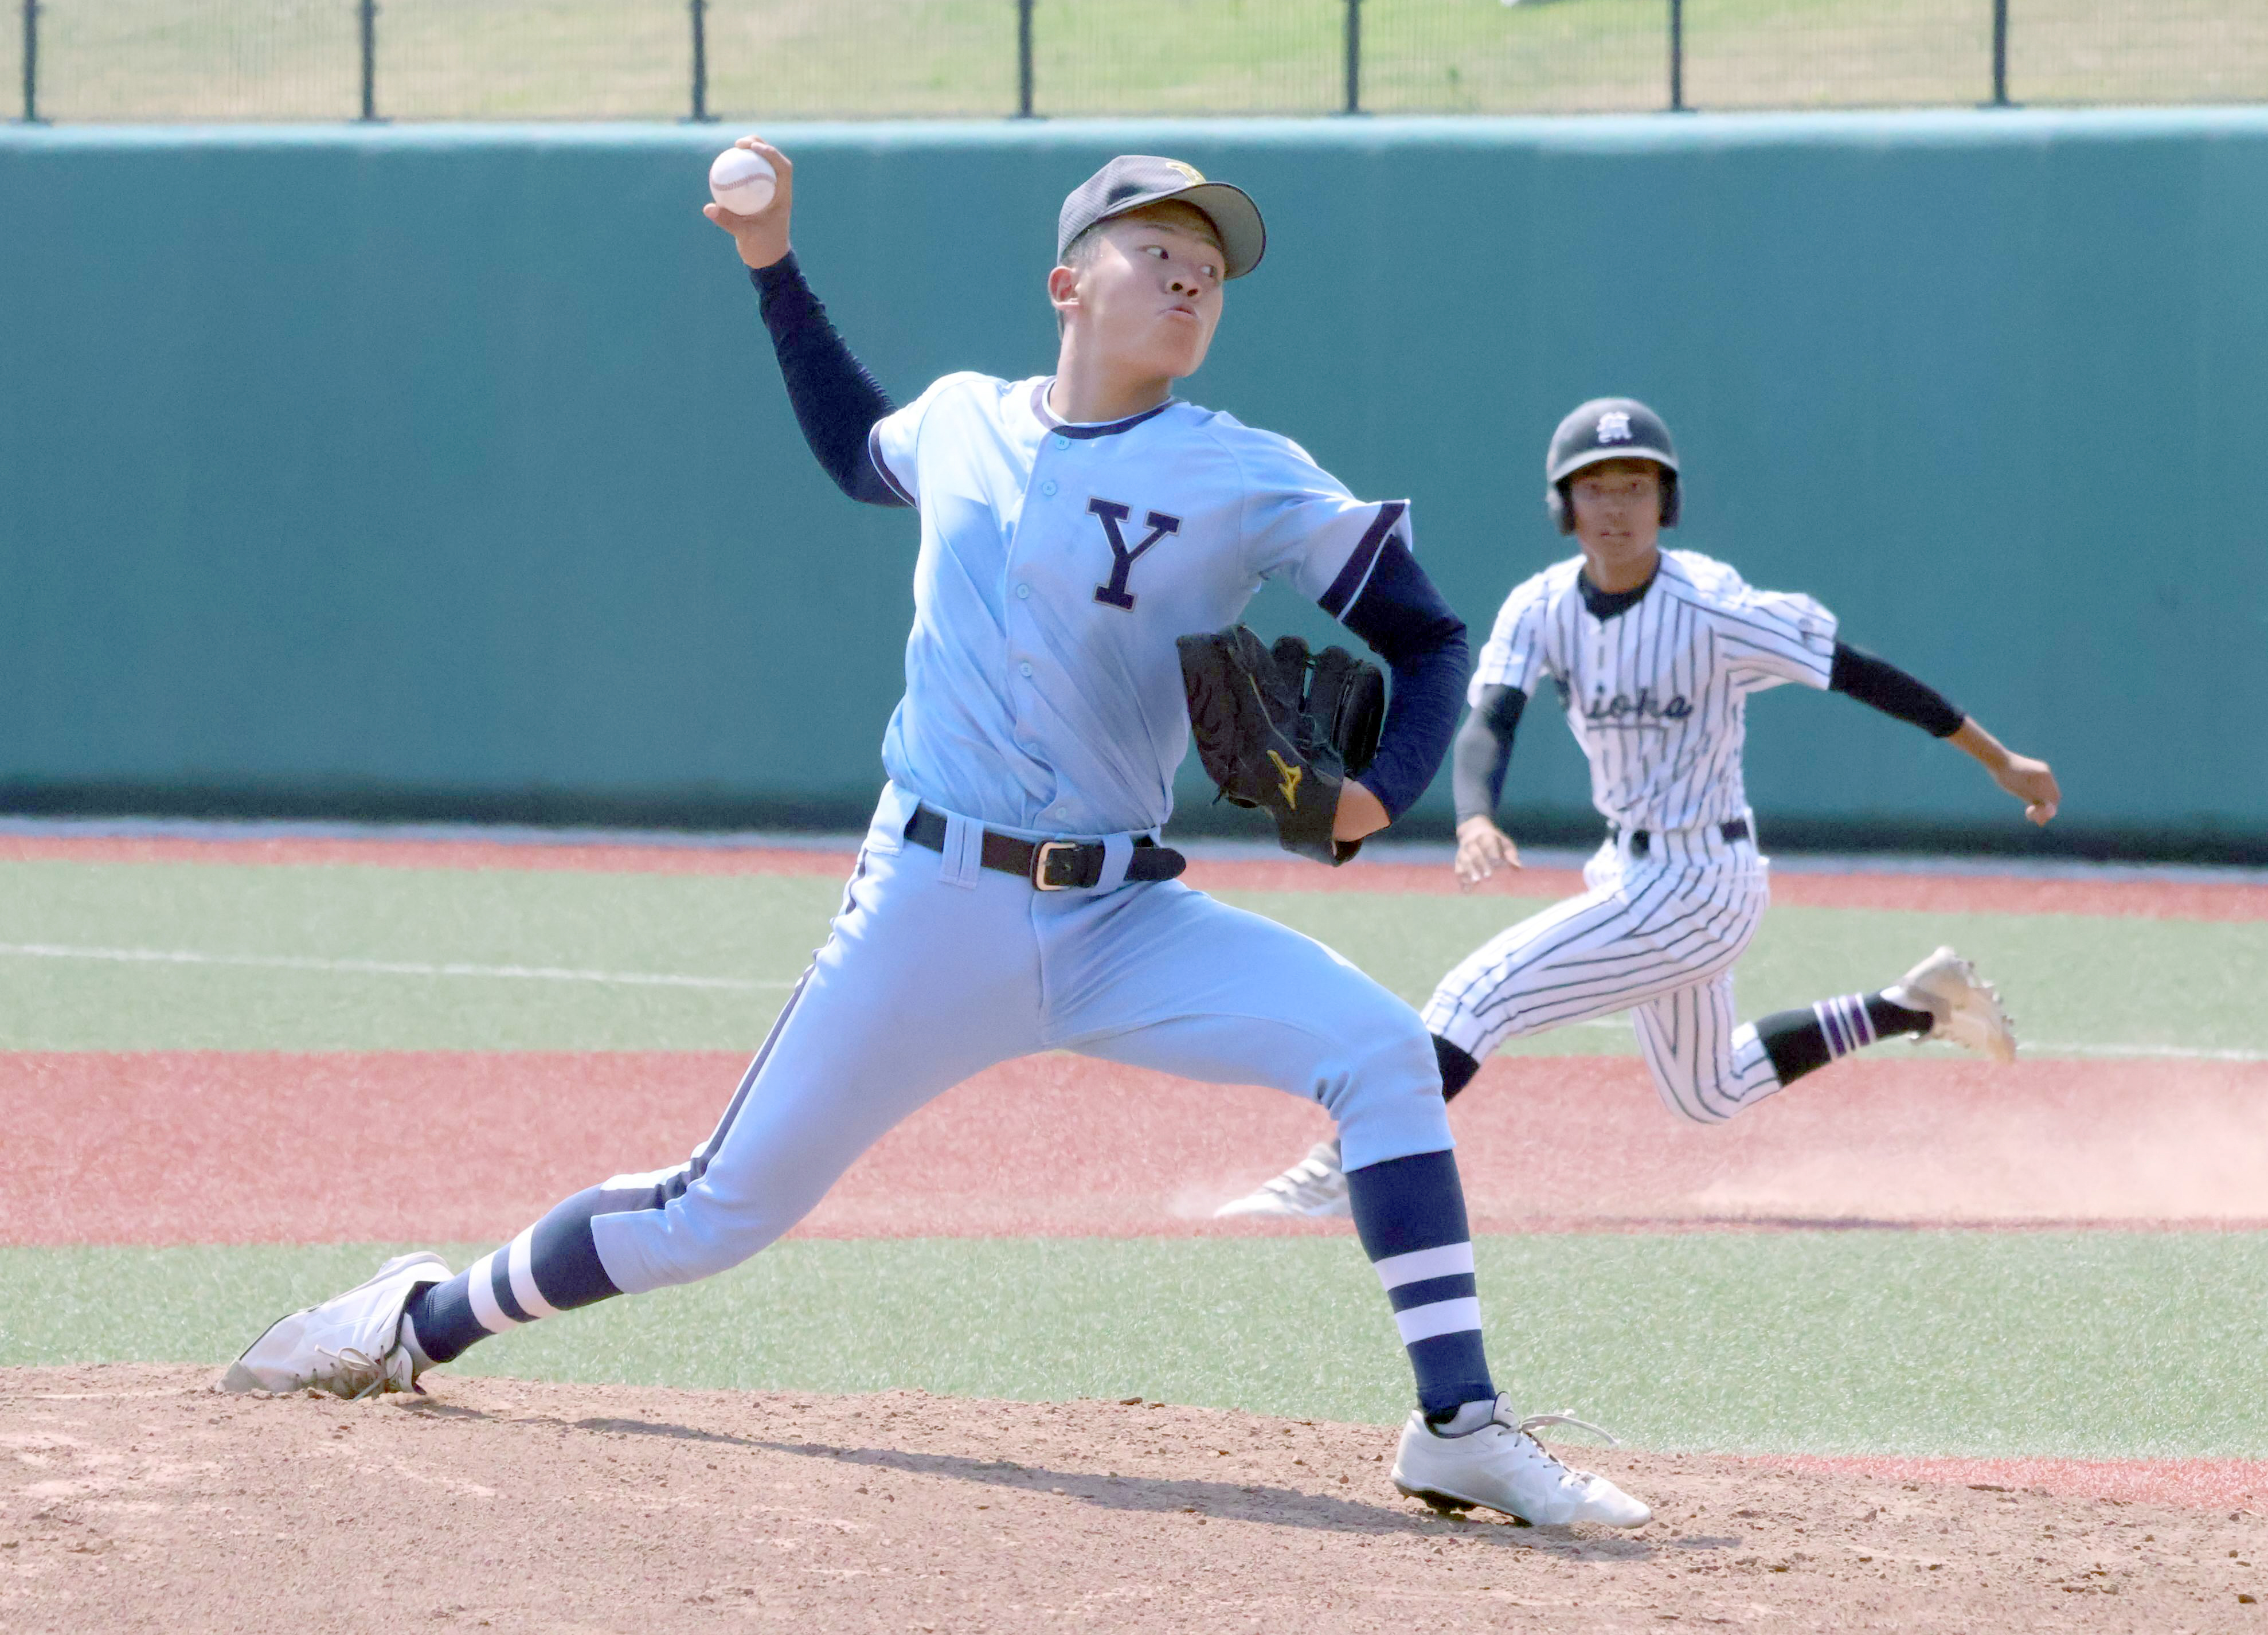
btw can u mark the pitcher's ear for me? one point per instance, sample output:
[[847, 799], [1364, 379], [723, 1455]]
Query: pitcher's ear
[[1063, 287]]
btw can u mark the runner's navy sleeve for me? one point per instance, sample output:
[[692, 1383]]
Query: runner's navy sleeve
[[1483, 750], [836, 400], [1878, 682], [1404, 621]]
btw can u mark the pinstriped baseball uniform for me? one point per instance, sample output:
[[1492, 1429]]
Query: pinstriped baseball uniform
[[1656, 696]]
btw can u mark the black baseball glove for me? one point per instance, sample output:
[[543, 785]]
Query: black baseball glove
[[1282, 729]]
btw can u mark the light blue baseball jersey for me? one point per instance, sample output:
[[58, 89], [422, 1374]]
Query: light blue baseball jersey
[[1058, 564]]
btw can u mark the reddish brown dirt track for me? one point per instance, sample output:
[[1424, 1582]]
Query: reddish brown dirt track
[[1936, 894], [132, 1498], [135, 1148]]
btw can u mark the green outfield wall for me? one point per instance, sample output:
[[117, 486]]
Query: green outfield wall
[[446, 471]]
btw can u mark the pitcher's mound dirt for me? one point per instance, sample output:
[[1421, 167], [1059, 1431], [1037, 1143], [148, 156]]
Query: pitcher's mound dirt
[[134, 1498]]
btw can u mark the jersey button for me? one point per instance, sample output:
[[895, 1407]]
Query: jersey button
[[1025, 670], [1023, 593], [1062, 441], [1049, 488]]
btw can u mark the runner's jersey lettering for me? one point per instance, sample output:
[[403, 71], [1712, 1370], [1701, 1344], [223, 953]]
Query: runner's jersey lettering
[[1656, 694]]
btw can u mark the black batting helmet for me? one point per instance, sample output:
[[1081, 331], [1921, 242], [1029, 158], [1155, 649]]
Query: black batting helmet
[[1608, 428]]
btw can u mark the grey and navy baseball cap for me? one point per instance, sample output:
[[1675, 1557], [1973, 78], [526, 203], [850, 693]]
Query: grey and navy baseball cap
[[1133, 179]]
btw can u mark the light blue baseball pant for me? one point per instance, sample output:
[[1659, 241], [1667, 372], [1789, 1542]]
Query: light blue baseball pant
[[936, 968]]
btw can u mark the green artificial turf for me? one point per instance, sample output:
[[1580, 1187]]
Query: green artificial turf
[[751, 928], [2094, 1345], [2074, 984]]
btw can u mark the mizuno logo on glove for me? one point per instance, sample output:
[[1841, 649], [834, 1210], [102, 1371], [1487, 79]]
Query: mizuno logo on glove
[[1272, 721], [1287, 778]]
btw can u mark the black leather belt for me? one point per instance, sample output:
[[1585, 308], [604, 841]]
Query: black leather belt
[[1050, 864], [1642, 840]]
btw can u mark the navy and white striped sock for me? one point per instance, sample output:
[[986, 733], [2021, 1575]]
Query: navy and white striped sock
[[550, 1268], [554, 1266], [1409, 1213], [1803, 1041]]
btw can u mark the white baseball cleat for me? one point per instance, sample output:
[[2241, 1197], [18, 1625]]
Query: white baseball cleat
[[1966, 1007], [1501, 1466], [350, 1345], [1314, 1188]]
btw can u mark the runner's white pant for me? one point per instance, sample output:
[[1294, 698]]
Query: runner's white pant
[[936, 968], [1656, 935]]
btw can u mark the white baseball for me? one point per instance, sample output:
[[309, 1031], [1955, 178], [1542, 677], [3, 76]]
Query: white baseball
[[741, 181]]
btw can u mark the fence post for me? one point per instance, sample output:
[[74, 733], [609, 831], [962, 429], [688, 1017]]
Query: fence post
[[1677, 57], [1354, 56], [2000, 54], [700, 9], [366, 12], [1024, 59], [31, 62]]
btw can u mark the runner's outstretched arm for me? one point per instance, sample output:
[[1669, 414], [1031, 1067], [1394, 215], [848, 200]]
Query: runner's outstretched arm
[[1882, 684]]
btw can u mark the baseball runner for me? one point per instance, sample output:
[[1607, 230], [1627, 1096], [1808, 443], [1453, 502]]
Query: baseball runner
[[1010, 895], [1654, 655]]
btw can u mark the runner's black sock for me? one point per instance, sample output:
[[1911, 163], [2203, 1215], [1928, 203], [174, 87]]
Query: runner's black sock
[[1890, 1018], [1457, 1068], [1803, 1041]]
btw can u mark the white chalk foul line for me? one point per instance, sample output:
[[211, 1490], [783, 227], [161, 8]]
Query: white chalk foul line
[[381, 968], [661, 979], [2030, 1047], [2174, 1052]]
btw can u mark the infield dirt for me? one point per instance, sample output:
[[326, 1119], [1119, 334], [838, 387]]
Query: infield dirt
[[133, 1497]]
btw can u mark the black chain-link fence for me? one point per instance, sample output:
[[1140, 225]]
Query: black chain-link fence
[[163, 60]]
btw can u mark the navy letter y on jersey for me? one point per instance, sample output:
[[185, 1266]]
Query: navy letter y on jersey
[[1122, 560]]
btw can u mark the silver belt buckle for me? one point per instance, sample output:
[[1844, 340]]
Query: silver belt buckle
[[1042, 854]]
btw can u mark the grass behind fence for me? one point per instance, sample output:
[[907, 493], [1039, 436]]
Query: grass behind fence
[[109, 60]]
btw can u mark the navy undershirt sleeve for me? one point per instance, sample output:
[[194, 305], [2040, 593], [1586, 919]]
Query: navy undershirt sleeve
[[1483, 750], [1403, 620], [836, 400], [1876, 682]]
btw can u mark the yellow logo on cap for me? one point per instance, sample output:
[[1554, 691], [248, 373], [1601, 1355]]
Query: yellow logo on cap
[[1191, 171]]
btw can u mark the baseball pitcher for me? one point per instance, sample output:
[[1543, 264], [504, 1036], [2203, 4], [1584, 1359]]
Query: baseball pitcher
[[1010, 895]]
